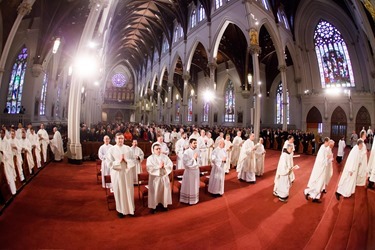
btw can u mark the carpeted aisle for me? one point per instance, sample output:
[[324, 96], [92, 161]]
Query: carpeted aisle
[[64, 208]]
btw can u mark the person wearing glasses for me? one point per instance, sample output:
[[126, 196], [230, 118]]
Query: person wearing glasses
[[159, 166]]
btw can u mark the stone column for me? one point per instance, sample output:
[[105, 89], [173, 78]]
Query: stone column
[[212, 66], [185, 97], [74, 110], [23, 9], [169, 103], [255, 51], [282, 69]]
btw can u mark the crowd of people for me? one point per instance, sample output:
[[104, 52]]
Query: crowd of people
[[25, 143], [196, 147]]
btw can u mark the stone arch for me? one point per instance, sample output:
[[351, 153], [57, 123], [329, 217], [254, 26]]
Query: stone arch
[[338, 124], [314, 120], [362, 120], [191, 53]]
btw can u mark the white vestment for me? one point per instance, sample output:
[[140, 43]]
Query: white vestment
[[217, 176], [43, 141], [25, 145], [362, 170], [237, 142], [159, 186], [6, 157], [210, 146], [228, 148], [57, 146], [246, 162], [329, 168], [341, 148], [317, 179], [181, 145], [371, 164], [174, 139], [138, 158], [34, 140], [202, 146], [16, 150], [259, 159], [190, 181], [122, 177], [102, 152], [348, 179], [282, 178], [291, 176]]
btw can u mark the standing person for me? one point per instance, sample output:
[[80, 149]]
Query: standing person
[[16, 150], [220, 137], [341, 150], [6, 157], [246, 161], [237, 143], [159, 166], [164, 147], [260, 152], [57, 145], [317, 179], [348, 179], [34, 140], [102, 152], [138, 158], [210, 146], [290, 140], [353, 139], [202, 146], [282, 179], [371, 168], [43, 141], [329, 168], [228, 148], [174, 138], [120, 160], [181, 145], [26, 147], [362, 170], [217, 176], [190, 182]]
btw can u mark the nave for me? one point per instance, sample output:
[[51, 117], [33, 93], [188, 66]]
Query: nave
[[64, 207]]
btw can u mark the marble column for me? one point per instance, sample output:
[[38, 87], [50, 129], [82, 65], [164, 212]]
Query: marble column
[[212, 66], [184, 103], [255, 51], [282, 69]]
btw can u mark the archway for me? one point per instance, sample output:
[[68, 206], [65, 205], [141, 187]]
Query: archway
[[119, 117], [338, 124], [314, 121], [363, 120]]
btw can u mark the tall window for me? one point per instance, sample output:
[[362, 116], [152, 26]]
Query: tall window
[[202, 14], [279, 104], [58, 101], [206, 109], [190, 109], [165, 45], [42, 109], [193, 19], [177, 116], [229, 103], [16, 83], [265, 4], [333, 57], [176, 33], [218, 3]]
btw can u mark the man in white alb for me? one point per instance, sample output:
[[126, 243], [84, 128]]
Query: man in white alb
[[259, 158], [202, 146], [57, 145], [138, 158], [6, 157], [159, 166], [164, 147], [34, 140], [26, 149], [217, 175], [181, 145], [102, 153], [16, 150], [237, 143], [43, 141], [246, 161], [120, 160]]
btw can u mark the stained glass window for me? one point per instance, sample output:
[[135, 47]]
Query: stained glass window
[[165, 45], [193, 19], [58, 101], [229, 103], [206, 109], [202, 14], [177, 116], [190, 109], [218, 3], [333, 58], [265, 4], [16, 83], [279, 104], [42, 109]]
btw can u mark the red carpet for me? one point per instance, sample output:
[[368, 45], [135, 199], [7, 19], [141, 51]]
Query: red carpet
[[64, 208]]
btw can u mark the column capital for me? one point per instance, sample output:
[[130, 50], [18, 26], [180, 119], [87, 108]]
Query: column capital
[[159, 89], [212, 65], [24, 8], [186, 76], [282, 68], [170, 84], [255, 49]]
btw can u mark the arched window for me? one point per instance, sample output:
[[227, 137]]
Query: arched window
[[165, 45], [229, 103], [176, 33], [218, 3], [202, 14], [206, 109], [265, 4], [177, 115], [279, 104], [193, 19], [333, 57], [42, 109], [58, 101], [286, 23], [190, 109], [16, 82]]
